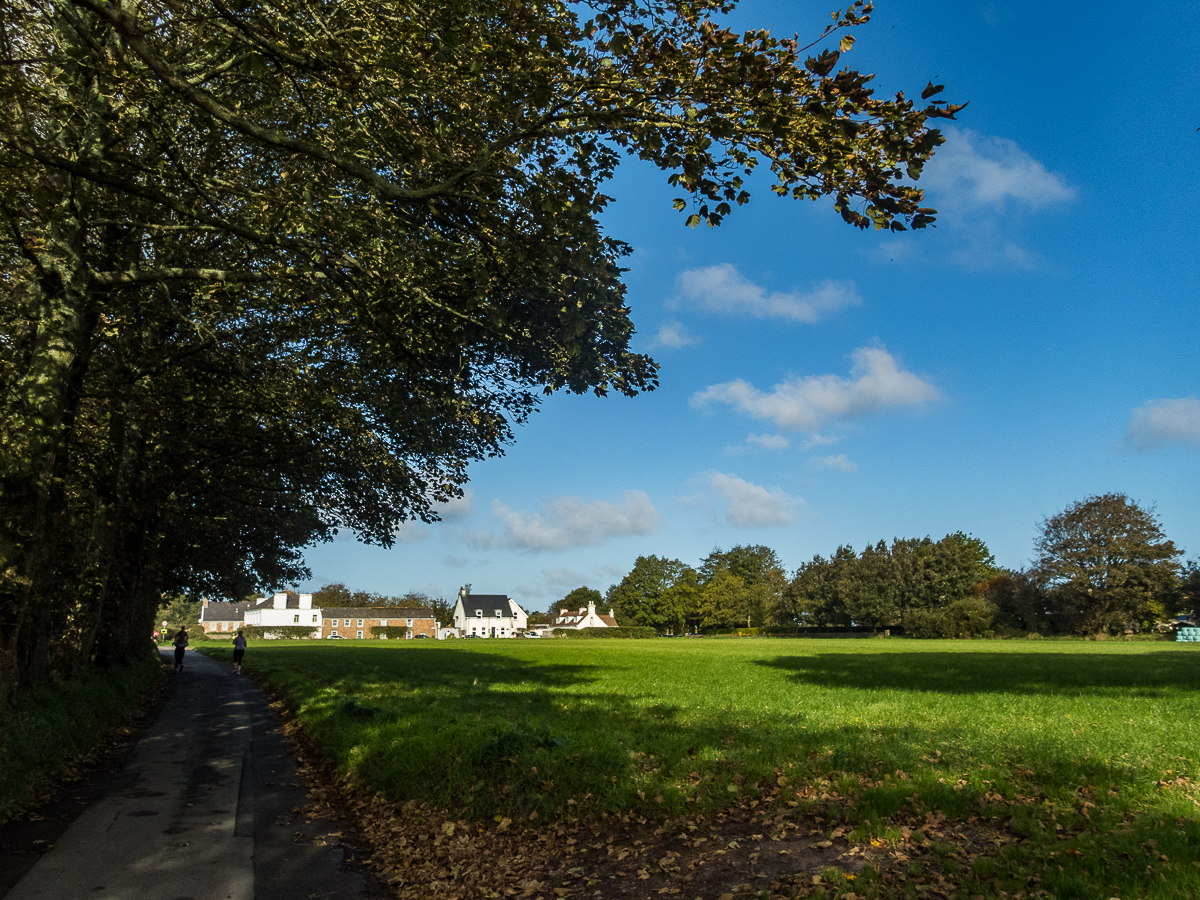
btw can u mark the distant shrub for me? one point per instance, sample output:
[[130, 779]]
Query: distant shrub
[[969, 617], [625, 632], [279, 632], [391, 632]]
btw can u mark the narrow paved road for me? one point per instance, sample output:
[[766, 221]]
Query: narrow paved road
[[206, 808]]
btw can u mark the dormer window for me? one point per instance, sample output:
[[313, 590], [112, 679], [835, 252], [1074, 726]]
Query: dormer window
[[497, 614], [479, 613]]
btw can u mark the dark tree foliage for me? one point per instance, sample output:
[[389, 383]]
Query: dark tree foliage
[[886, 585], [1105, 565], [742, 586], [272, 268], [1189, 588], [649, 596]]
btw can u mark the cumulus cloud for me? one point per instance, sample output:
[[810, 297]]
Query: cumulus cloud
[[973, 171], [569, 522], [673, 335], [1157, 423], [411, 533], [751, 505], [769, 441], [722, 289], [838, 462], [876, 382], [457, 510]]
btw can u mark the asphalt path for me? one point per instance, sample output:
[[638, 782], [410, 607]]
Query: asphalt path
[[207, 807]]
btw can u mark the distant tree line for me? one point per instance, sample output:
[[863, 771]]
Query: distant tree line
[[1102, 565]]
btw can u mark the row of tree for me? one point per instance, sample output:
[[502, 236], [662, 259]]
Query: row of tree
[[1104, 564], [268, 270]]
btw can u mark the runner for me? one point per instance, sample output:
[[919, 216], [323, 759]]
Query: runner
[[239, 650], [181, 642]]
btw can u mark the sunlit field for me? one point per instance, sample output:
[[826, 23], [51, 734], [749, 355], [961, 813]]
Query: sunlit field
[[1085, 746]]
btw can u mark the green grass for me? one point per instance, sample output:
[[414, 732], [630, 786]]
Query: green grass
[[44, 730], [1087, 752]]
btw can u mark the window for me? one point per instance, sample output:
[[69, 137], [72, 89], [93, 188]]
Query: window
[[296, 618], [314, 620], [409, 623], [498, 616], [333, 633], [383, 623], [359, 635], [347, 623], [479, 613], [360, 623]]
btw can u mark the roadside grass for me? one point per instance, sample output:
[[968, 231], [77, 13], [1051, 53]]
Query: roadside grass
[[1087, 753], [43, 731]]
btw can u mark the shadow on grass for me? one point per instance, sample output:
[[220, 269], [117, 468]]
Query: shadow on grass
[[1149, 675], [487, 734]]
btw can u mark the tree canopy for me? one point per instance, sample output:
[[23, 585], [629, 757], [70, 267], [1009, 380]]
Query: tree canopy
[[1105, 565], [271, 269], [576, 600]]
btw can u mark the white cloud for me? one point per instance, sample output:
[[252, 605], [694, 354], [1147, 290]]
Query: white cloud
[[838, 462], [411, 533], [1159, 422], [674, 335], [722, 289], [876, 382], [457, 510], [821, 440], [751, 505], [769, 441], [569, 522], [973, 171]]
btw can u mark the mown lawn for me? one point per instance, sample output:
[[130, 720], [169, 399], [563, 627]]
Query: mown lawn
[[1087, 751]]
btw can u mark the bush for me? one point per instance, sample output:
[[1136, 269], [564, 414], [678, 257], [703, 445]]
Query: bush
[[43, 730], [279, 632], [391, 632], [624, 632], [969, 617]]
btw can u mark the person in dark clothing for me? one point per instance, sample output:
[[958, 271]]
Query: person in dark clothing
[[181, 642], [239, 650]]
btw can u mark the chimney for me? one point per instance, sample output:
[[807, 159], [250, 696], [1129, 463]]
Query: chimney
[[591, 607], [280, 601], [306, 601], [204, 603]]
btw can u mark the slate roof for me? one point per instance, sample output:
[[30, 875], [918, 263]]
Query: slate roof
[[293, 602], [224, 612], [489, 603]]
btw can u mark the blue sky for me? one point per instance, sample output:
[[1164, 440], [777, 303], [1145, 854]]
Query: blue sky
[[825, 386]]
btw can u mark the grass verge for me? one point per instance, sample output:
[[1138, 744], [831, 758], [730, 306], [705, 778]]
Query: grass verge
[[43, 731], [1080, 759]]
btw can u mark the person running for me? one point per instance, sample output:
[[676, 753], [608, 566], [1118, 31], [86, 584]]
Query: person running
[[181, 642], [239, 650]]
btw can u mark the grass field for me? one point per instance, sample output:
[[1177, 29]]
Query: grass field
[[1087, 752]]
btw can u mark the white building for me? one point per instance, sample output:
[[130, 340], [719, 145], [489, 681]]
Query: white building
[[488, 615], [583, 618], [285, 608]]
